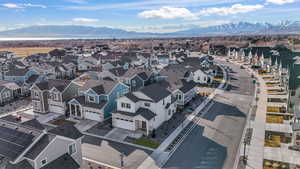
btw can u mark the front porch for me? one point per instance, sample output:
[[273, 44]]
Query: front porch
[[75, 111]]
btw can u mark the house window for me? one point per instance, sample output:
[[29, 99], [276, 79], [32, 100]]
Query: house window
[[147, 104], [169, 112], [44, 162], [133, 83], [91, 99], [164, 102], [36, 94], [126, 105], [179, 97], [72, 148]]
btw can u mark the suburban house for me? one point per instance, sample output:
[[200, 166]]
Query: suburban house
[[53, 95], [97, 98], [145, 109], [6, 95], [28, 145], [14, 87]]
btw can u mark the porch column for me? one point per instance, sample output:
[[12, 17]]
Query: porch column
[[147, 126], [70, 109], [75, 114]]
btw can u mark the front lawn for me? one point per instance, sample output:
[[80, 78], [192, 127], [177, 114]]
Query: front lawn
[[146, 142]]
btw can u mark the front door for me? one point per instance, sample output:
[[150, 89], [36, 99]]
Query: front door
[[144, 125]]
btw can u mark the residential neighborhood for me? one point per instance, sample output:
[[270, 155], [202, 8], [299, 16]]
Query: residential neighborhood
[[109, 106]]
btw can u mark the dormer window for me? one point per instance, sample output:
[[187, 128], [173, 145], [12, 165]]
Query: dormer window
[[72, 148], [92, 99], [44, 162]]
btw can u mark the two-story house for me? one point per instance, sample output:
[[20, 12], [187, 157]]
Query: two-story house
[[28, 145], [145, 109], [53, 95], [6, 95], [97, 99]]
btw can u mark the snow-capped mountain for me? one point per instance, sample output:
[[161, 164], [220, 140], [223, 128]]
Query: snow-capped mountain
[[71, 31]]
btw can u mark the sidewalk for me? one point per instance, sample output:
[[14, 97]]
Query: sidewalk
[[159, 157]]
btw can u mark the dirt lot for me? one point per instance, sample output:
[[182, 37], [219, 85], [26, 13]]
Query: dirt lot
[[25, 51]]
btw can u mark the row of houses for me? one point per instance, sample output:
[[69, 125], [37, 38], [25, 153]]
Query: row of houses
[[98, 95]]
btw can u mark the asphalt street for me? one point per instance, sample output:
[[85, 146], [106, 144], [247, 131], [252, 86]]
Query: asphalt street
[[214, 142]]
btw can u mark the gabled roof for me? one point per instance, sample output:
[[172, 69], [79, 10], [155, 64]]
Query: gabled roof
[[34, 123], [58, 84], [67, 130], [39, 146], [155, 92], [99, 89], [144, 112], [24, 164], [63, 162]]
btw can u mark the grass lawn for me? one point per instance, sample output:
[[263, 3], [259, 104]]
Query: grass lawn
[[23, 52], [146, 142]]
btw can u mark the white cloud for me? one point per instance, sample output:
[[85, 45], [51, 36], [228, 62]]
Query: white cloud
[[77, 1], [168, 13], [85, 20], [280, 2], [234, 9], [25, 5]]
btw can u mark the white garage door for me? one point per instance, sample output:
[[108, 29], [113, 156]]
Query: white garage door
[[124, 124], [93, 116], [56, 109]]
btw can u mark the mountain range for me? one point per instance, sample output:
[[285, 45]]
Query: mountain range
[[72, 31]]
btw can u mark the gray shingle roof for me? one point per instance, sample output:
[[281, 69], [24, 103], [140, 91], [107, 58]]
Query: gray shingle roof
[[146, 113], [67, 130], [39, 146], [63, 162], [24, 164], [58, 84], [34, 123], [155, 92]]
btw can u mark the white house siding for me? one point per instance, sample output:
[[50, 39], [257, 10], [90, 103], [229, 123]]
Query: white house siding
[[57, 107], [93, 114], [200, 77], [57, 148], [133, 106]]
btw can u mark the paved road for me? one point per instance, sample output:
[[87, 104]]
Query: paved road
[[213, 143]]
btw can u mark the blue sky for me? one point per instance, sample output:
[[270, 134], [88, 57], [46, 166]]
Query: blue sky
[[144, 15]]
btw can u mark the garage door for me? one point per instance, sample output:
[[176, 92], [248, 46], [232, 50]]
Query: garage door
[[56, 109], [93, 116], [124, 124]]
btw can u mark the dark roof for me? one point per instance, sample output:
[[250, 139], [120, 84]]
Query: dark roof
[[39, 146], [63, 162], [99, 89], [119, 71], [67, 130], [155, 92], [16, 72], [187, 86], [13, 142], [132, 97], [24, 164], [32, 78], [143, 75], [58, 84], [146, 113], [34, 123]]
